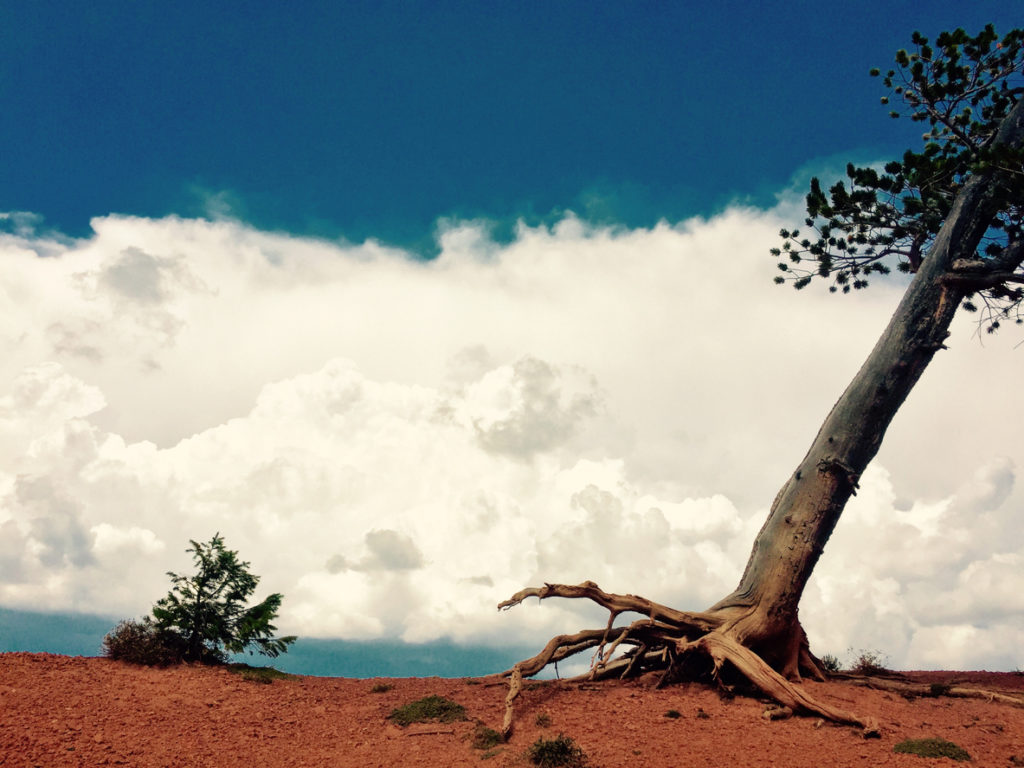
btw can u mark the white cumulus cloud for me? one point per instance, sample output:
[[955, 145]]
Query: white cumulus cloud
[[398, 445]]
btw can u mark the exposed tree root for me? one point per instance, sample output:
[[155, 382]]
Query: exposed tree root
[[722, 648], [617, 604], [936, 689], [678, 644]]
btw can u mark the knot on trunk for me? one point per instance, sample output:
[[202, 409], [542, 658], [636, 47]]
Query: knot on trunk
[[841, 470]]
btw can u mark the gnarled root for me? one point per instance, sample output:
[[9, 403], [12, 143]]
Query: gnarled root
[[906, 688], [721, 648], [617, 604], [666, 641]]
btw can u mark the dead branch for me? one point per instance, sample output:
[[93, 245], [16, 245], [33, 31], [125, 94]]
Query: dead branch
[[430, 732], [515, 685]]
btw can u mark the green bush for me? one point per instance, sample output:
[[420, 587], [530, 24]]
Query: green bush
[[562, 752], [830, 663], [932, 748], [142, 642], [428, 708]]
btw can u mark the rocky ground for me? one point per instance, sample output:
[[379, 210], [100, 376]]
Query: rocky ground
[[74, 711]]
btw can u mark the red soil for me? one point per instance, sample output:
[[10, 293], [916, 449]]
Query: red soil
[[61, 711]]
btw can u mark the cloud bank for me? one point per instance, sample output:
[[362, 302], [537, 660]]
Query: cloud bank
[[398, 445]]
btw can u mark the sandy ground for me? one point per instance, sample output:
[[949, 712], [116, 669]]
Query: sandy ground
[[75, 711]]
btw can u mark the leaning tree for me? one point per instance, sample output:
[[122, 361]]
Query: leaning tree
[[952, 216]]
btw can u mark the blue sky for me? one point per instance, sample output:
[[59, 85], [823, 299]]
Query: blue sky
[[217, 317], [374, 119]]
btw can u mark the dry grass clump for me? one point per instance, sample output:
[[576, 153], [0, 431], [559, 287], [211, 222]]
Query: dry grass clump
[[561, 752]]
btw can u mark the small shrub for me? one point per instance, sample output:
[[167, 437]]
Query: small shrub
[[938, 689], [543, 720], [142, 642], [428, 708], [830, 663], [869, 663], [932, 748], [380, 688], [702, 715], [562, 752], [485, 738], [674, 714]]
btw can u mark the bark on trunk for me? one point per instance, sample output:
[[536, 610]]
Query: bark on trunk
[[762, 610]]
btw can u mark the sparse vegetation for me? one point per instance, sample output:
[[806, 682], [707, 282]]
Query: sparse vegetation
[[380, 688], [932, 748], [673, 714], [428, 708], [702, 715], [485, 738], [543, 720], [869, 663], [830, 663], [561, 752], [265, 675]]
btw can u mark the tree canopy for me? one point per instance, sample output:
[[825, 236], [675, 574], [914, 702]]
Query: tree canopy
[[962, 89]]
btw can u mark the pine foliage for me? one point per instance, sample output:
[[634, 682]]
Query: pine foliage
[[962, 88], [208, 609]]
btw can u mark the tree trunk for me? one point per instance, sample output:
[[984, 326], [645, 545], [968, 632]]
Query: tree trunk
[[762, 611], [756, 628]]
